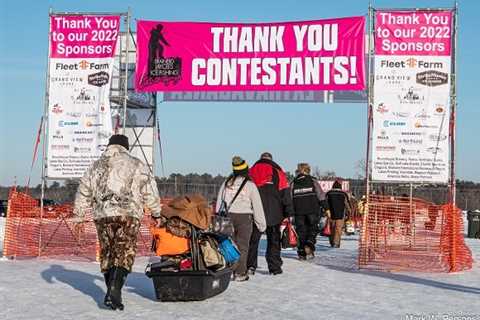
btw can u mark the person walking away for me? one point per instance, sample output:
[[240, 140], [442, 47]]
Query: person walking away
[[274, 190], [338, 202], [244, 206], [308, 200], [117, 188]]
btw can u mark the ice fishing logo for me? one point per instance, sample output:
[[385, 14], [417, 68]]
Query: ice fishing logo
[[411, 96], [82, 97], [160, 68]]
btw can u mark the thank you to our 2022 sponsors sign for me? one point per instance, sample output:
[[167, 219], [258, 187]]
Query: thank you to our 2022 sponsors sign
[[79, 119], [281, 56], [411, 104]]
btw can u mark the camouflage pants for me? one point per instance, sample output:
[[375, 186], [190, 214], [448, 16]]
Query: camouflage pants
[[118, 241]]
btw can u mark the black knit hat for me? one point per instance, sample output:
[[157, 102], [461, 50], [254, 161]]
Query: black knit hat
[[119, 139], [239, 165], [266, 155], [337, 185]]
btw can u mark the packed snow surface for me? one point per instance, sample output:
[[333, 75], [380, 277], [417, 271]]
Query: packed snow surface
[[329, 287]]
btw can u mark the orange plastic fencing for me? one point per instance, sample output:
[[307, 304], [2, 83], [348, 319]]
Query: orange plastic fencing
[[30, 233], [399, 234]]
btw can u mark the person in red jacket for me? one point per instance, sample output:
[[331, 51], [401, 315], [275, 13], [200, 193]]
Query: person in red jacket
[[274, 190]]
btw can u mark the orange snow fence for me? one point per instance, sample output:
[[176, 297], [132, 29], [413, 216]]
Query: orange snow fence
[[31, 233], [399, 234]]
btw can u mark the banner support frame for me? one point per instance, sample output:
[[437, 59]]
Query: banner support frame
[[46, 122], [453, 106], [369, 122], [125, 80]]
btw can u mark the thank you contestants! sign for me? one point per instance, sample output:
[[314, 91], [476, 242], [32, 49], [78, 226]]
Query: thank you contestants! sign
[[79, 120], [411, 104], [308, 55]]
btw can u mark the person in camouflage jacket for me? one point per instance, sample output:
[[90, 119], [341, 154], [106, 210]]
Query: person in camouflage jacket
[[117, 188]]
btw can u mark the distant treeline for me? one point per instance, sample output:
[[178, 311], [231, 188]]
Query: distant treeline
[[468, 192]]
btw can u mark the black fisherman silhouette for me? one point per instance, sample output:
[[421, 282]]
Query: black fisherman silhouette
[[155, 46]]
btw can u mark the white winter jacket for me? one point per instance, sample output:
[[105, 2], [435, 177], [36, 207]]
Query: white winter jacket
[[247, 202]]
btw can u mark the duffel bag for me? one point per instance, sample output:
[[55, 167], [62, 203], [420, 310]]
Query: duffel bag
[[167, 244]]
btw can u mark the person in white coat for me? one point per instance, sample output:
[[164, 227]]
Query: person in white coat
[[241, 199]]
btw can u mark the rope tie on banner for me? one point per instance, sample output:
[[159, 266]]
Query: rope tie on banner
[[35, 151]]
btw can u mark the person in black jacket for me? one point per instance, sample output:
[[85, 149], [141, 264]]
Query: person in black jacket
[[274, 190], [308, 206], [339, 205]]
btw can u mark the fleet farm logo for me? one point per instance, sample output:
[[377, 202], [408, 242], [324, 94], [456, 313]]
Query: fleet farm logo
[[410, 63], [82, 65]]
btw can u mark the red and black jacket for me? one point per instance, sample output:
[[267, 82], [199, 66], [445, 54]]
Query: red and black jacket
[[274, 190]]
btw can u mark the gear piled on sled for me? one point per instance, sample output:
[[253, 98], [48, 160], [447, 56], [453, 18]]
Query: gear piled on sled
[[195, 262]]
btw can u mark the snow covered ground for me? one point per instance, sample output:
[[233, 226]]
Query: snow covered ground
[[330, 287], [2, 234]]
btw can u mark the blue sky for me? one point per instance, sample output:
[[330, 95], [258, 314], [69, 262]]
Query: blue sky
[[202, 137]]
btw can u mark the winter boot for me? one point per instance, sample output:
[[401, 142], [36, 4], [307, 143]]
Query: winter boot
[[251, 271], [108, 279], [276, 272], [241, 277], [118, 280], [309, 253]]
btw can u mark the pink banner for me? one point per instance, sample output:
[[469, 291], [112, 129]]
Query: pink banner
[[420, 33], [304, 55], [79, 36]]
